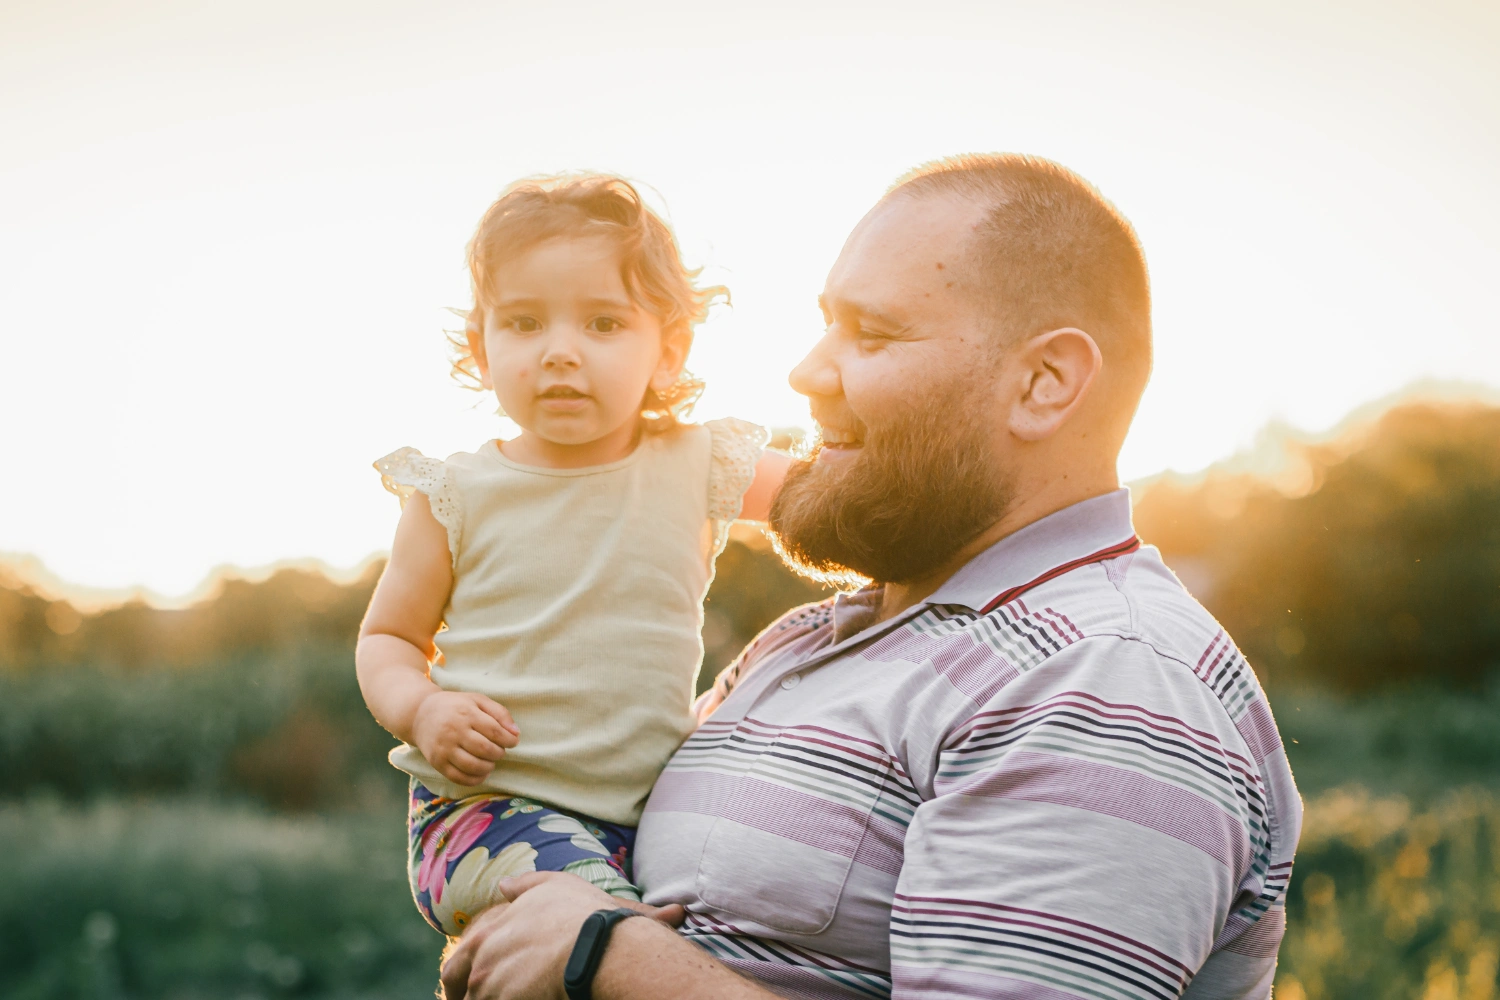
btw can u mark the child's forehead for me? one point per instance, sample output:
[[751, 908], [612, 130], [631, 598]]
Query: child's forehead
[[562, 267]]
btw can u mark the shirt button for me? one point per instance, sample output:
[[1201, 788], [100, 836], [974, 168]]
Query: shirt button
[[790, 681]]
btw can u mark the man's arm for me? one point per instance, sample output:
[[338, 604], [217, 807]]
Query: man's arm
[[517, 951], [770, 470]]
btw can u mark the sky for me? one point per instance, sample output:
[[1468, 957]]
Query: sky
[[229, 232]]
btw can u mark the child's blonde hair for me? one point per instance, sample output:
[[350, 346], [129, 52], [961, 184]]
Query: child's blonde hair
[[533, 211]]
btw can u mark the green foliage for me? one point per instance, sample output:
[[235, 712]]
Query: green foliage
[[1418, 742], [1382, 566], [751, 589], [270, 862], [252, 692], [291, 610], [292, 732], [189, 899], [1388, 902]]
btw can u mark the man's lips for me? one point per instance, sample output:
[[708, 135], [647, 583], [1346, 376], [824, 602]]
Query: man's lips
[[838, 443]]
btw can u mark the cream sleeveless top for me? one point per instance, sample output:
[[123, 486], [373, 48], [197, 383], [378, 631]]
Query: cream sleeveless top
[[577, 604]]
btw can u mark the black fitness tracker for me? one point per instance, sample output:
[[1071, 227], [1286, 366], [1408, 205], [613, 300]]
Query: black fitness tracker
[[588, 952]]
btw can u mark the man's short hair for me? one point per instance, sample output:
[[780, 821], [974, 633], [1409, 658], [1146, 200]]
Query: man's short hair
[[1052, 252]]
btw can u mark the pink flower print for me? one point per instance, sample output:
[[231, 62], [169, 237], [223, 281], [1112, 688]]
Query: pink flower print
[[618, 858], [444, 842]]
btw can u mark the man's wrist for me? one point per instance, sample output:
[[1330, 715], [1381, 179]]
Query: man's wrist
[[589, 949]]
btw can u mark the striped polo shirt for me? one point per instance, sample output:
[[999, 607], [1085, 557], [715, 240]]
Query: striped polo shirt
[[1057, 777]]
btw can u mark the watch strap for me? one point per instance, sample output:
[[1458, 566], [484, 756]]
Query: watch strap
[[588, 951]]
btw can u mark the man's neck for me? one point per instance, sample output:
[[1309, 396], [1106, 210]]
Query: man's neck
[[1046, 498]]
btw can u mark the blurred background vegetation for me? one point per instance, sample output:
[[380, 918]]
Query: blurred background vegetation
[[195, 803]]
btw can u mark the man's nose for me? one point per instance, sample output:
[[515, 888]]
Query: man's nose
[[818, 373]]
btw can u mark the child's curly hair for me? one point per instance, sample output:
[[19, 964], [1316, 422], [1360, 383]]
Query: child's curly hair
[[533, 211]]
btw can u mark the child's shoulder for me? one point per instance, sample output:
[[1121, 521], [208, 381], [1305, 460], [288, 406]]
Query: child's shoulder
[[722, 435], [410, 463]]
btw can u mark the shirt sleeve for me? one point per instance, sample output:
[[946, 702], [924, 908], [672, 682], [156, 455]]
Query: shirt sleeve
[[1091, 828], [407, 471], [735, 448]]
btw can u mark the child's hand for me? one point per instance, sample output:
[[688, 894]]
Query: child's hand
[[463, 734]]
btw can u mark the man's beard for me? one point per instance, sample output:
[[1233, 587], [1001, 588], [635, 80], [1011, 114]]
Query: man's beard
[[921, 489]]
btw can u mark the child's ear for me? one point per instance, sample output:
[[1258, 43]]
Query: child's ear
[[474, 333], [674, 352]]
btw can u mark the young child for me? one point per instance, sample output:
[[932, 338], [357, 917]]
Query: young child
[[566, 566]]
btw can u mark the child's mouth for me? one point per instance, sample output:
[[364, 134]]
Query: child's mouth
[[563, 399]]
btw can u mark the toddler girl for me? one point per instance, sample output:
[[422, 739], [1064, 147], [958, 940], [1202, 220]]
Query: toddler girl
[[568, 564]]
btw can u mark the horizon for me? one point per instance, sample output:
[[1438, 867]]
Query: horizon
[[231, 233], [1270, 458]]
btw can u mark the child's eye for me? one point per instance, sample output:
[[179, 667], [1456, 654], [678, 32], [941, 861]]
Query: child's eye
[[525, 324], [605, 324]]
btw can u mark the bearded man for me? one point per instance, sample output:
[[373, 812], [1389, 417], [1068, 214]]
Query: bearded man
[[1024, 762]]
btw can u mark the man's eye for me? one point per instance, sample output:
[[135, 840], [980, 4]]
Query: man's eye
[[605, 324]]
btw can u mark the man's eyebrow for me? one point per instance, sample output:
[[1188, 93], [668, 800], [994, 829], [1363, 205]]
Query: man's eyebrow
[[847, 306]]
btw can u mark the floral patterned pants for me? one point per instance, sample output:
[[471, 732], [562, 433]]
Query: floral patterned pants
[[459, 849]]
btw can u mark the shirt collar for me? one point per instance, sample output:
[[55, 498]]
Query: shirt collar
[[1075, 532]]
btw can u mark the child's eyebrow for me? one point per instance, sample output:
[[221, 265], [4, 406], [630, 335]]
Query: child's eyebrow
[[517, 302], [608, 303]]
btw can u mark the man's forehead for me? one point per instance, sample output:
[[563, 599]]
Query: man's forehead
[[903, 243]]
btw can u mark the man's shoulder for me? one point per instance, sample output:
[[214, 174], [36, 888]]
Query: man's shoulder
[[1110, 623], [1137, 605]]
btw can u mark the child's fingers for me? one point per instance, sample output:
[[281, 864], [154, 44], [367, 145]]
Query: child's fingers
[[481, 746], [456, 776], [498, 712], [490, 728], [469, 764]]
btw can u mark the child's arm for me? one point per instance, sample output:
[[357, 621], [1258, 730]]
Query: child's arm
[[769, 472], [461, 734]]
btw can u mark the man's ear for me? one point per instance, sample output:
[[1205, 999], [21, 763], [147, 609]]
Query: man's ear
[[475, 336], [674, 352], [1058, 368]]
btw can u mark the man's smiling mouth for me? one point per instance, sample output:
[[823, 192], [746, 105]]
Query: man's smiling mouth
[[838, 443]]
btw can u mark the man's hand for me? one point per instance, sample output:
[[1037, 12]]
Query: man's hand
[[462, 734], [518, 949]]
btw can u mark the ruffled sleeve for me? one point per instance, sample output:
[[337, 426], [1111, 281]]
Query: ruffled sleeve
[[407, 471], [736, 448]]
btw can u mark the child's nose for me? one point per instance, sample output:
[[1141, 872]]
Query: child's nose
[[560, 352]]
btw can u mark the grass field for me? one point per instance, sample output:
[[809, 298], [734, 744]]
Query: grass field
[[189, 898], [159, 838]]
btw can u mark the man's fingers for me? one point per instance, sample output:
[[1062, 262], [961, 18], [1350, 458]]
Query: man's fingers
[[458, 966], [513, 887], [455, 971], [671, 914], [498, 712]]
